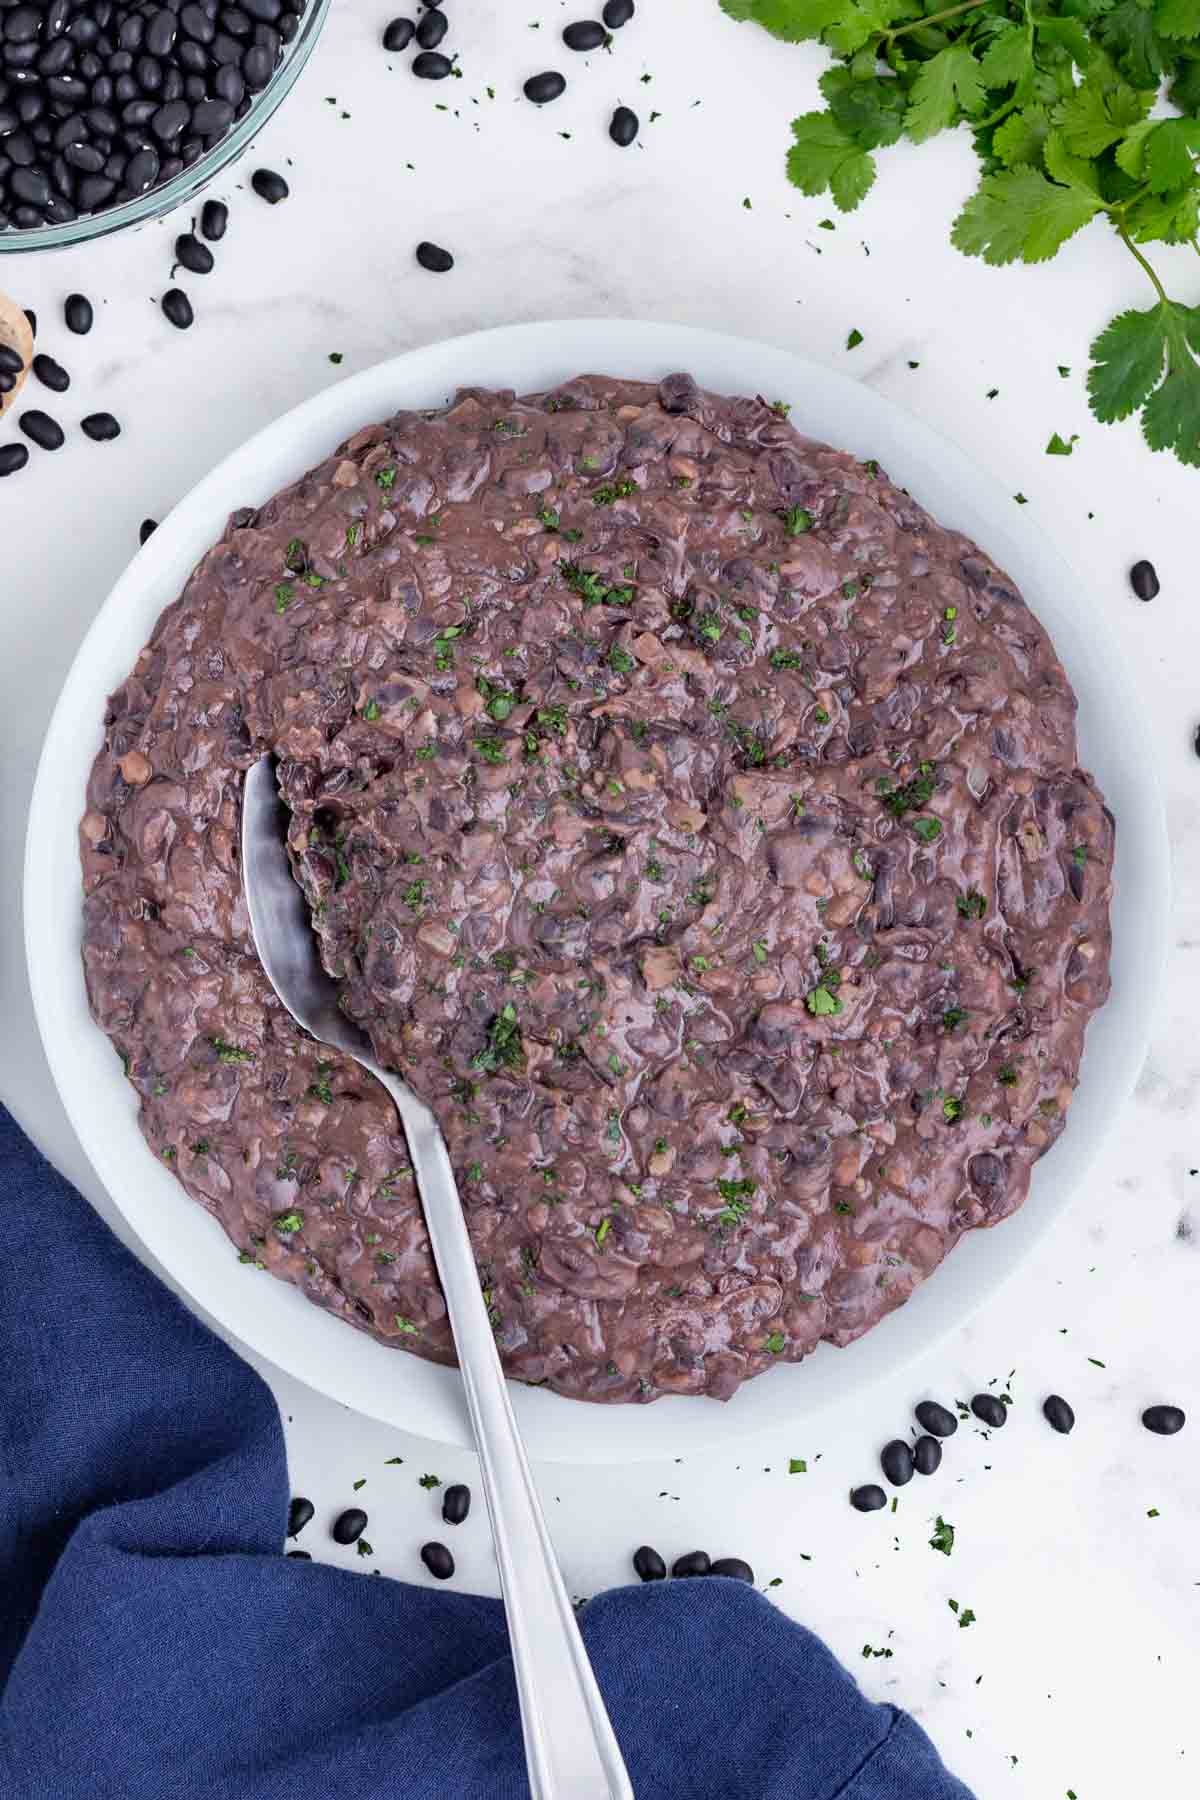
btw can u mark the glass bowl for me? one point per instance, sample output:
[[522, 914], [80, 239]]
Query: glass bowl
[[188, 182]]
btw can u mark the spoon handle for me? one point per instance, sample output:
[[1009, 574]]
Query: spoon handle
[[570, 1748]]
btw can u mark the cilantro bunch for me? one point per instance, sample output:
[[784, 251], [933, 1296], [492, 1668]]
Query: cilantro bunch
[[1058, 96]]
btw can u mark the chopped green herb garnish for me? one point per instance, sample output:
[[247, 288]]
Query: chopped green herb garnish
[[943, 1537], [503, 1048], [405, 1325], [971, 905], [371, 711], [287, 1222], [821, 1003], [775, 1343], [230, 1053], [797, 520]]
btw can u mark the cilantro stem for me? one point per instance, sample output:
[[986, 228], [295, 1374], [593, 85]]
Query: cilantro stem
[[951, 12], [1133, 250]]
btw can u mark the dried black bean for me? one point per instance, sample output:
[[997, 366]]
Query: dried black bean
[[1143, 579], [160, 32], [101, 427], [214, 217], [147, 529], [177, 308], [585, 34], [1164, 1421], [349, 1525], [298, 1556], [936, 1419], [434, 258], [301, 1510], [257, 66], [456, 1503], [168, 121], [648, 1565], [990, 1409], [194, 255], [733, 1568], [12, 458], [543, 88], [46, 432], [32, 186], [142, 170], [623, 126], [51, 374], [927, 1456], [1058, 1413], [269, 186], [696, 1562], [212, 118], [896, 1461], [438, 1561], [85, 157], [11, 361], [868, 1499], [432, 29], [617, 13], [398, 34], [32, 317], [431, 65], [93, 191], [8, 381]]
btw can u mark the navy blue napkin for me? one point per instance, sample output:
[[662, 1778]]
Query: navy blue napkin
[[155, 1641]]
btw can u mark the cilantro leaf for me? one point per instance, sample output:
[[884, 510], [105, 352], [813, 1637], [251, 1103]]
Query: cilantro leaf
[[870, 112], [1171, 416], [1019, 215], [1127, 363], [1099, 113], [1020, 138], [1170, 146], [949, 83], [791, 20], [825, 156], [1060, 446], [1177, 18], [1128, 34], [1008, 59], [1165, 218]]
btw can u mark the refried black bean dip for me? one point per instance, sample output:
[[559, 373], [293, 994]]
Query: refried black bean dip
[[687, 816]]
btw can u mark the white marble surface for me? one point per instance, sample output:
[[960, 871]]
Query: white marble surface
[[1080, 1557]]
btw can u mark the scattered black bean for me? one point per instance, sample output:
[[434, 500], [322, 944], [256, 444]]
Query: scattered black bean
[[438, 1561], [434, 258], [78, 314], [990, 1409], [648, 1565], [938, 1420], [1164, 1421], [46, 432], [868, 1499], [431, 65], [733, 1568], [177, 308], [1058, 1413], [269, 186], [12, 458], [896, 1461], [432, 29], [11, 361], [617, 13], [301, 1510], [585, 34], [101, 427], [398, 35], [8, 381], [623, 126], [927, 1456], [214, 217], [195, 256], [1143, 579], [147, 529], [299, 1556], [543, 88], [51, 374], [456, 1503], [32, 317], [696, 1562], [349, 1525]]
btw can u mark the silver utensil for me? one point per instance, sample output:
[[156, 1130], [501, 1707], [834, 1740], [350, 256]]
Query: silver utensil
[[570, 1748]]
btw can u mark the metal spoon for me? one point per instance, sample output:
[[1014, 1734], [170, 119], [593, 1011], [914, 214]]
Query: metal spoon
[[570, 1748]]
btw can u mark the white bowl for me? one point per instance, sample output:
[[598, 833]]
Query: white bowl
[[273, 1317]]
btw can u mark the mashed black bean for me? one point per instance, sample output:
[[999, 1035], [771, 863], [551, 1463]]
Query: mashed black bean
[[689, 818]]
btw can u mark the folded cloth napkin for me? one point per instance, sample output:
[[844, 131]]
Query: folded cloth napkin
[[155, 1641]]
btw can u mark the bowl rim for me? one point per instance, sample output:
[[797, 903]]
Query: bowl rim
[[276, 1320], [189, 182]]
